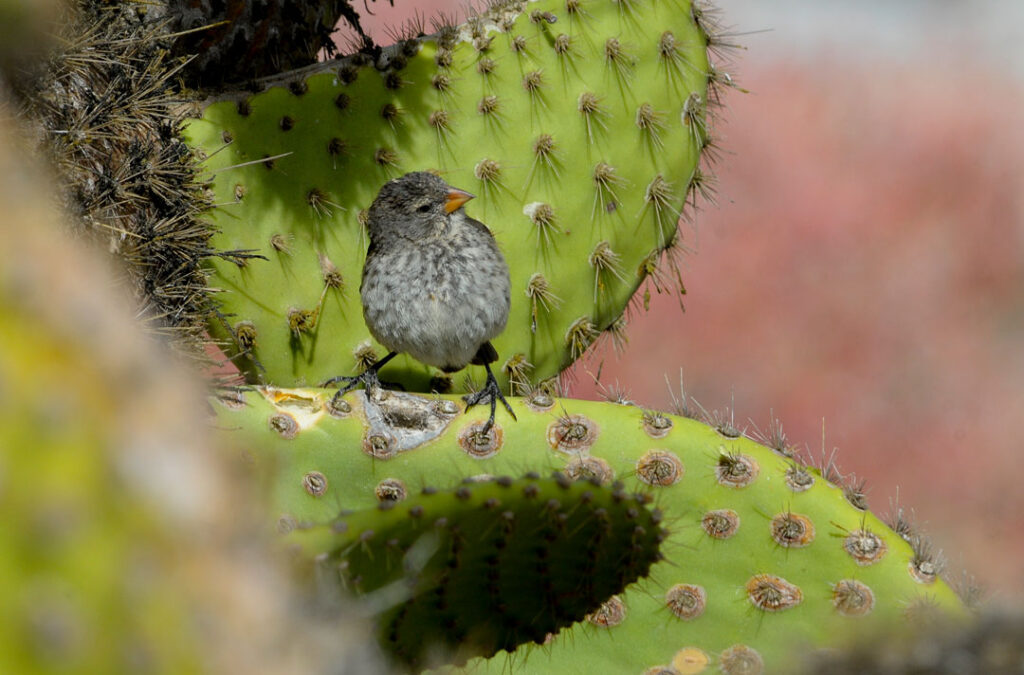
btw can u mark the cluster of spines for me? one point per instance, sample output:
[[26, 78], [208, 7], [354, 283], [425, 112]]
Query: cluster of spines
[[864, 546], [542, 298], [111, 123]]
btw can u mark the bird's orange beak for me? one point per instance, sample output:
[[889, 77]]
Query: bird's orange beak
[[456, 198]]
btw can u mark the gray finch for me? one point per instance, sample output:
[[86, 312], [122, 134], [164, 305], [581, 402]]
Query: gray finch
[[435, 285]]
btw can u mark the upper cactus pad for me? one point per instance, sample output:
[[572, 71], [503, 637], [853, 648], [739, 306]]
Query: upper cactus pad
[[579, 126]]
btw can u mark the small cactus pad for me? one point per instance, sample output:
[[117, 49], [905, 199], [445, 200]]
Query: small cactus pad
[[765, 557], [489, 565], [578, 125]]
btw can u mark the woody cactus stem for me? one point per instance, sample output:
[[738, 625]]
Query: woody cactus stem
[[104, 109]]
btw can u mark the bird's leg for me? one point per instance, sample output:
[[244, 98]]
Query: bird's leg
[[491, 393], [368, 378]]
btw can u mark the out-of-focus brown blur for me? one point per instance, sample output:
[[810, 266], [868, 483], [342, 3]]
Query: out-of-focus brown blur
[[865, 263]]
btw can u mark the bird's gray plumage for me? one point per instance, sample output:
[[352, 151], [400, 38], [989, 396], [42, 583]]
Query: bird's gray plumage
[[435, 285]]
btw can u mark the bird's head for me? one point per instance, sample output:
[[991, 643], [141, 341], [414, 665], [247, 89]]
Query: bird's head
[[414, 206]]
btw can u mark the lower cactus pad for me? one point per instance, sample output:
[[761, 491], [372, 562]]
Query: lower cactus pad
[[766, 559]]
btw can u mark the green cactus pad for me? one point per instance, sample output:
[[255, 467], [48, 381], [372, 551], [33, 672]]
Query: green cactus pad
[[490, 565], [89, 578], [128, 543], [766, 558], [579, 126]]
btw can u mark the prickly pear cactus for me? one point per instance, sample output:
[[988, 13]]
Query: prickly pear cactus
[[541, 554], [579, 125], [127, 544], [766, 559]]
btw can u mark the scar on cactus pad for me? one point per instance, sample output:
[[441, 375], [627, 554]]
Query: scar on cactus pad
[[582, 132], [758, 569]]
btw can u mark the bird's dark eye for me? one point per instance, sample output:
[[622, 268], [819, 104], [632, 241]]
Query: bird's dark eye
[[424, 208]]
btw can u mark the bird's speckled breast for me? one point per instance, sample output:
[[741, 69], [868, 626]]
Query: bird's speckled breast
[[438, 300]]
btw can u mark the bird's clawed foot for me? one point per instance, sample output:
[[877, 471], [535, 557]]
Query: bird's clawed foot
[[368, 378], [491, 393], [346, 383]]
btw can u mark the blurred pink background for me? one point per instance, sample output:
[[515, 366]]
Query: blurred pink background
[[865, 262]]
